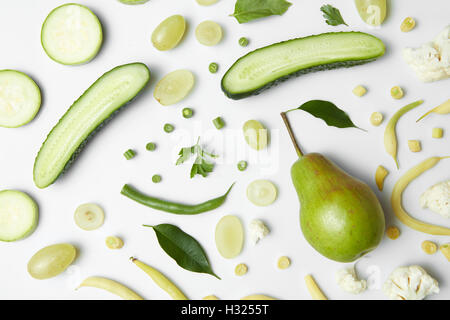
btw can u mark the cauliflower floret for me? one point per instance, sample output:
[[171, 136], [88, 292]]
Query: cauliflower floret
[[258, 230], [431, 61], [437, 198], [349, 282], [410, 283]]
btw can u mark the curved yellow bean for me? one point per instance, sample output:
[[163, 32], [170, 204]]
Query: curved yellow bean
[[443, 108], [111, 286], [160, 280], [396, 198], [390, 136], [314, 289], [257, 297]]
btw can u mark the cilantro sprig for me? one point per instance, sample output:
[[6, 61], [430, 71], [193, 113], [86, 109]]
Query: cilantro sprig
[[202, 164], [332, 15]]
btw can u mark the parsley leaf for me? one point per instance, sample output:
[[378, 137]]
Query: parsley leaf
[[202, 165], [332, 15]]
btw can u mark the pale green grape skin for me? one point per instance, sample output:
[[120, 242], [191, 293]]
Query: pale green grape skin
[[174, 87], [255, 135], [169, 33], [206, 2], [51, 261]]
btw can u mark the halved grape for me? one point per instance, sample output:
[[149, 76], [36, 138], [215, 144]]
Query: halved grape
[[169, 33], [373, 12], [174, 87], [262, 192], [206, 2], [51, 261], [208, 33], [89, 216], [229, 236], [255, 134]]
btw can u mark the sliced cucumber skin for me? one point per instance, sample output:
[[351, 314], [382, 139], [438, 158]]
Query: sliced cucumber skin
[[94, 53], [34, 207], [343, 63], [38, 103], [88, 135]]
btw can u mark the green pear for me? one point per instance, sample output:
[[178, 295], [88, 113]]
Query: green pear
[[340, 216]]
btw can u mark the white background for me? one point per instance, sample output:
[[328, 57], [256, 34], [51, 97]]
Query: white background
[[101, 170]]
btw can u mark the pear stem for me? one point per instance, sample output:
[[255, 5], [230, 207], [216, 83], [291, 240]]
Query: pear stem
[[291, 134]]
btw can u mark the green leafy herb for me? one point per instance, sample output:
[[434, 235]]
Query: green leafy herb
[[183, 248], [202, 165], [248, 10], [328, 112], [332, 15]]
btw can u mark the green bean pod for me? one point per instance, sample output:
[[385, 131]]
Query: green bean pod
[[173, 207]]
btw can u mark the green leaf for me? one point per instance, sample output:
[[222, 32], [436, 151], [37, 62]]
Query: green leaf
[[183, 248], [328, 112], [332, 15], [248, 10], [201, 165]]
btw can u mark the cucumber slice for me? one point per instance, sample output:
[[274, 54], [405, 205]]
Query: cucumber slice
[[71, 34], [85, 117], [133, 1], [20, 99], [19, 215], [267, 66]]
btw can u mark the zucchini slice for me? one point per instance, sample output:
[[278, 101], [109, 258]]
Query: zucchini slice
[[85, 117], [71, 34], [267, 66], [19, 215], [20, 99]]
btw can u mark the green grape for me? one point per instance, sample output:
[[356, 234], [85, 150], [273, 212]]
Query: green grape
[[208, 33], [169, 33], [255, 134], [262, 192], [174, 87], [51, 261], [373, 12]]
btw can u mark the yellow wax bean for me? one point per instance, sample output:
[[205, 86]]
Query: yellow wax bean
[[111, 286], [314, 289]]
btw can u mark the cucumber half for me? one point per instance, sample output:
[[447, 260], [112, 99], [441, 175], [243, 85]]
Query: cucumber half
[[267, 66], [20, 99], [85, 117], [19, 215], [71, 34]]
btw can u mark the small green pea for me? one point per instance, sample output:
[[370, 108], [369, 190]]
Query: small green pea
[[243, 42], [188, 113], [168, 128], [213, 67], [242, 165], [150, 146], [156, 178]]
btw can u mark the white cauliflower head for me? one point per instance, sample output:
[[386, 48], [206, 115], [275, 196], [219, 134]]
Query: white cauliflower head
[[431, 61], [349, 282], [258, 230], [437, 198], [410, 283]]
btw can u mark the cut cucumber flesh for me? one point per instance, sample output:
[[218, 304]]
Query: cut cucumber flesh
[[87, 115], [133, 1], [19, 215], [265, 67], [20, 99], [71, 34]]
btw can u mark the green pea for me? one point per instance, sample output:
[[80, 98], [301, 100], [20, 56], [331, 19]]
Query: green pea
[[213, 67], [243, 42], [156, 178], [168, 128], [242, 165], [188, 113]]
